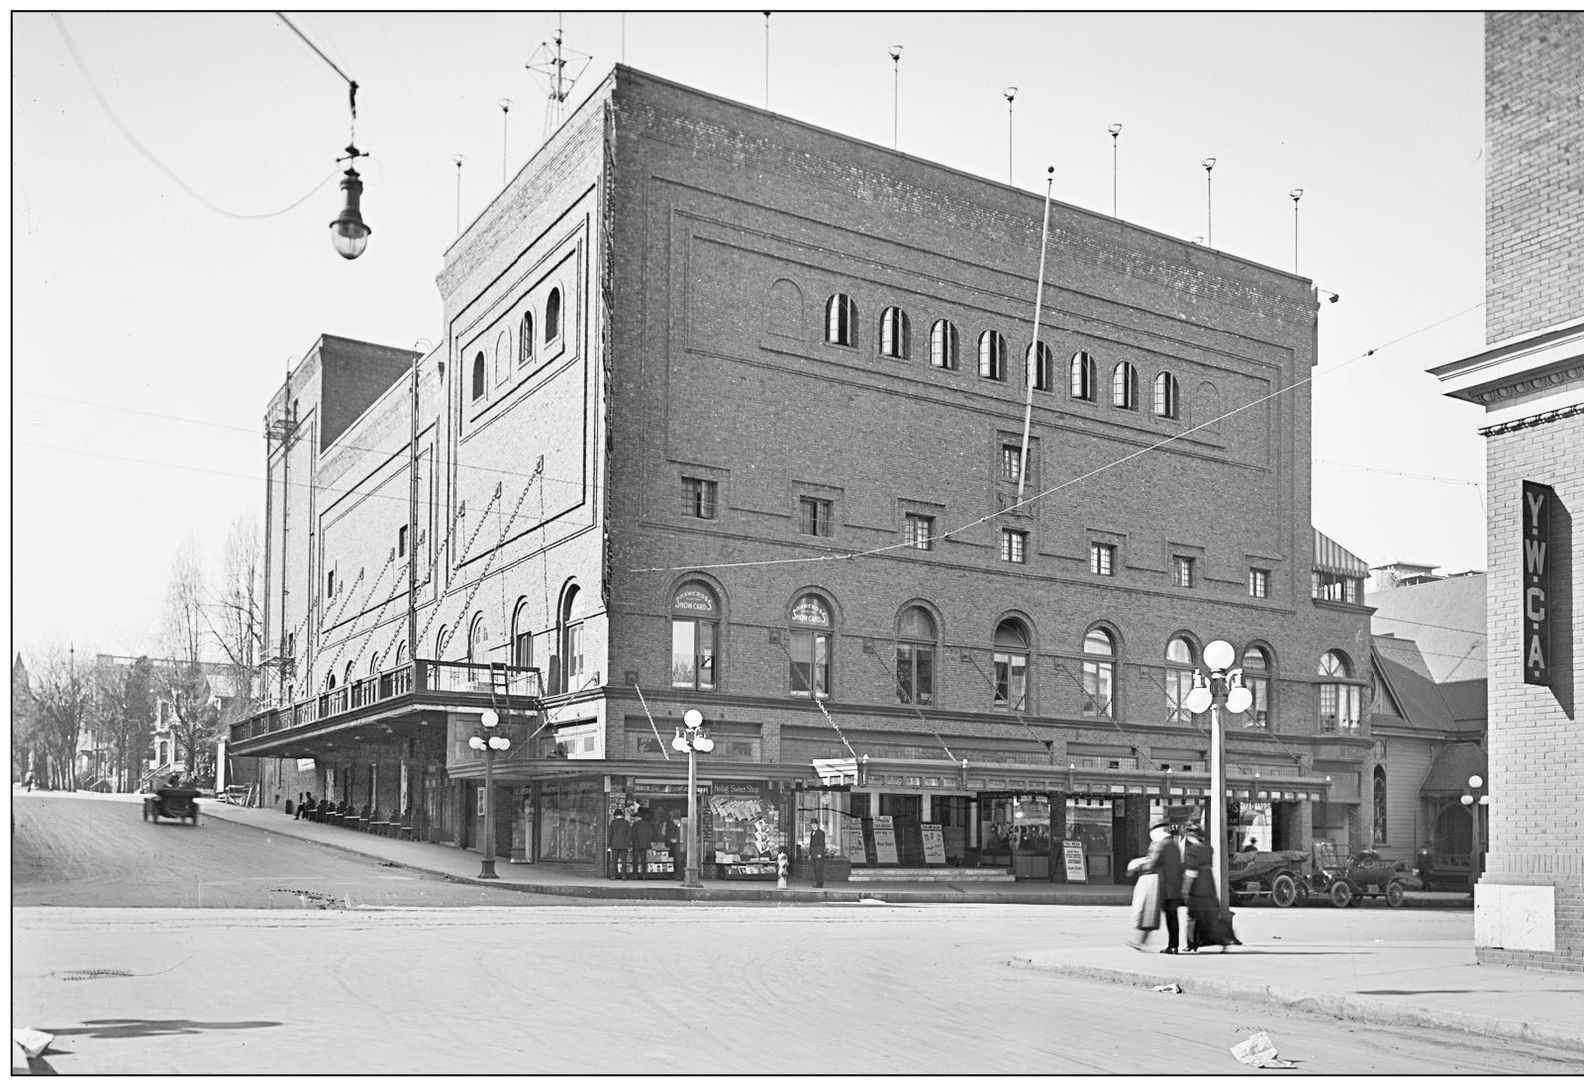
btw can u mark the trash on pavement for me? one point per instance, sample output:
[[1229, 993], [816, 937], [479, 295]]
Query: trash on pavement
[[31, 1041], [1258, 1051], [872, 900], [1169, 989]]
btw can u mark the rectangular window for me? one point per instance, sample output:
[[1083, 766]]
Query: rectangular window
[[1339, 709], [1097, 689], [1183, 571], [401, 541], [1258, 714], [1102, 559], [920, 532], [1178, 685], [1011, 463], [1336, 588], [522, 650], [692, 654], [915, 673], [810, 665], [1011, 680], [698, 498], [814, 516], [574, 656], [1259, 583], [1014, 546]]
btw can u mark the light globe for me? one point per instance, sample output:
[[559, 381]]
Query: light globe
[[1239, 698], [693, 719], [1475, 781], [1218, 655]]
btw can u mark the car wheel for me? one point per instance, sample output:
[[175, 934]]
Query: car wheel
[[1394, 895], [1342, 894], [1284, 891]]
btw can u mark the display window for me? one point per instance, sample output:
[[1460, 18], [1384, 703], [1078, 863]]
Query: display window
[[574, 822], [1089, 820], [743, 831]]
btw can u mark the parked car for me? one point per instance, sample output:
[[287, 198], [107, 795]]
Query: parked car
[[1347, 881], [1278, 876]]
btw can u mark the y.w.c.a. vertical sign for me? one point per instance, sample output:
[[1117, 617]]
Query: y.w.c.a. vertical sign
[[1535, 542]]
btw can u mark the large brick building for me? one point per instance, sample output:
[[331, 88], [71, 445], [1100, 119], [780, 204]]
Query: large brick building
[[729, 415], [1529, 904]]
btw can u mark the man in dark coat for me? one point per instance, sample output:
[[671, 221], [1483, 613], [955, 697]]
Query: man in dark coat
[[619, 843], [1168, 864], [642, 837], [816, 850]]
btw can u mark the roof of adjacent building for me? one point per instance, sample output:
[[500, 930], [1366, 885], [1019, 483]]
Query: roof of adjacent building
[[1452, 768], [1331, 556], [1446, 618], [1412, 700]]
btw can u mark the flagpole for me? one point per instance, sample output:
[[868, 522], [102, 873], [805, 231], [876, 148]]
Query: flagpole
[[1031, 365]]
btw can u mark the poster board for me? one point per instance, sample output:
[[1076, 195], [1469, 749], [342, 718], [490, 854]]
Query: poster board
[[885, 840], [1073, 860], [852, 842], [934, 844]]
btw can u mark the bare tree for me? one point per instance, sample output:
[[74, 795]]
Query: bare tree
[[182, 674], [239, 621], [63, 699]]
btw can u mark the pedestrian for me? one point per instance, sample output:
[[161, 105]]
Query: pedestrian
[[1145, 914], [816, 850], [643, 835], [27, 781], [618, 844], [1207, 924], [669, 833], [1165, 860], [306, 806]]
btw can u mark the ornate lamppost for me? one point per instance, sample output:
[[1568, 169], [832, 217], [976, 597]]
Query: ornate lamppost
[[1477, 795], [1223, 689], [691, 740], [488, 741]]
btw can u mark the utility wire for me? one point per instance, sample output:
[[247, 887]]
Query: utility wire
[[82, 67]]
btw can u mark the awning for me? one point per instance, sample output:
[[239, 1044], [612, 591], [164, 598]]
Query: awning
[[1331, 557], [1452, 768]]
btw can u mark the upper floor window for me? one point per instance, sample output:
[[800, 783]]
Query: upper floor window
[[920, 531], [503, 356], [841, 320], [525, 340], [893, 332], [1182, 571], [478, 641], [1102, 559], [1339, 700], [1336, 587], [915, 661], [698, 498], [1042, 364], [478, 376], [695, 627], [1165, 395], [401, 541], [1011, 665], [1083, 376], [992, 356], [1124, 386], [330, 584], [811, 648], [522, 637], [1014, 545], [943, 345], [1011, 463], [1256, 676], [1259, 583], [572, 660], [1179, 679], [1099, 674], [553, 315], [814, 516]]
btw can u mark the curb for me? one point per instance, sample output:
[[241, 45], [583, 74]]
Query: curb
[[1344, 1007]]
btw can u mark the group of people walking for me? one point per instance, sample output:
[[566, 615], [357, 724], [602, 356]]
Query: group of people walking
[[1178, 869]]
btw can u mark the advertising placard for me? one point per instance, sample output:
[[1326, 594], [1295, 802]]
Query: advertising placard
[[934, 844], [885, 840], [1073, 859], [852, 842]]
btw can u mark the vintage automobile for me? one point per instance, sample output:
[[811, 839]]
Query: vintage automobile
[[1279, 876], [1363, 874], [176, 803]]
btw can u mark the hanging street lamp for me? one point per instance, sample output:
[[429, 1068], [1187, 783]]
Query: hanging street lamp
[[348, 232]]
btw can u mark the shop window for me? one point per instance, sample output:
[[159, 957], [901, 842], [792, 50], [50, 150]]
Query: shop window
[[695, 627], [1083, 376], [552, 321], [1102, 559], [992, 356], [1011, 665], [1043, 364], [574, 819], [698, 498], [1124, 386], [1256, 676], [1339, 699], [915, 662], [943, 345], [920, 531], [1099, 674], [841, 320], [1179, 679], [1165, 395], [478, 376], [893, 333], [810, 649]]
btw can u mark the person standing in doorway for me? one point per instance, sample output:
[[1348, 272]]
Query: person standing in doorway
[[668, 833], [643, 835], [619, 843], [816, 850]]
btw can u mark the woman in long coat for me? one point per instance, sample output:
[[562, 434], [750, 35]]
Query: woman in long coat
[[1208, 926], [1145, 915]]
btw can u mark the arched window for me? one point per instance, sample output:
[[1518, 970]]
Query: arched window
[[1256, 676], [572, 639], [1042, 363], [401, 653], [1124, 386], [1179, 679], [553, 315], [1099, 674], [695, 630], [164, 753], [1083, 376], [1165, 395], [1380, 804], [503, 356], [992, 356], [522, 636], [440, 642], [478, 376], [943, 345], [894, 338], [915, 658], [525, 340], [478, 641], [1011, 665], [374, 664], [841, 320], [350, 674], [1339, 699], [811, 647]]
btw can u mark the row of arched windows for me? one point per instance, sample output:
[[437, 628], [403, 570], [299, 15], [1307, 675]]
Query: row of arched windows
[[841, 328], [525, 346]]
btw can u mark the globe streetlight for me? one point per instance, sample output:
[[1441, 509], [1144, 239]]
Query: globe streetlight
[[1475, 797], [487, 741], [691, 740], [1224, 688]]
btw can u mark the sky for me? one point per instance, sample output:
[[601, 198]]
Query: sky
[[155, 308]]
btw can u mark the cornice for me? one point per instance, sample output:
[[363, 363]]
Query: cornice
[[1530, 421]]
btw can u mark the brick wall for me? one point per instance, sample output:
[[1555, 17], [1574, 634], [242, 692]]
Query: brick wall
[[1534, 200]]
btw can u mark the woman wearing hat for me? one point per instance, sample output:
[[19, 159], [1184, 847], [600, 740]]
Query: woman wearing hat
[[1209, 926], [1159, 887]]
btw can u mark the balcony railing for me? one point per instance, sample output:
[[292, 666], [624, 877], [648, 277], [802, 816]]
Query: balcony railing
[[421, 676]]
